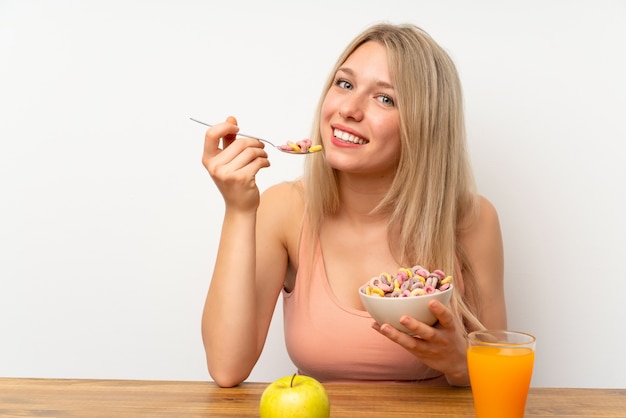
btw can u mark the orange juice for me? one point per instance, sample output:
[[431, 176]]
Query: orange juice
[[500, 378]]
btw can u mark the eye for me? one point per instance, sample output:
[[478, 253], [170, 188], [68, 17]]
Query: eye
[[386, 100], [343, 84]]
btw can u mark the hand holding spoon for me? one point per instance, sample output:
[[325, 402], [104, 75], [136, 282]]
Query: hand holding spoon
[[300, 147]]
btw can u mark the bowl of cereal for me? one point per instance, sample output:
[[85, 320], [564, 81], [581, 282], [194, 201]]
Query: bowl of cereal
[[388, 297]]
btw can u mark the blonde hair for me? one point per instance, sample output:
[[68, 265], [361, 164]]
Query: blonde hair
[[433, 194]]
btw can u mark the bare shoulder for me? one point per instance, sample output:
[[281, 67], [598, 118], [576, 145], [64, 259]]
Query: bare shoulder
[[485, 225], [281, 208], [283, 198], [481, 241], [284, 189]]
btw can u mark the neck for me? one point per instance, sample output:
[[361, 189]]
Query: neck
[[359, 196]]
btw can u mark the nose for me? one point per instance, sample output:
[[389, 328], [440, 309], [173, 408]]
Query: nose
[[352, 108]]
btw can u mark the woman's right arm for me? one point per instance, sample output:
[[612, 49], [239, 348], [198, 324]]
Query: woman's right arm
[[244, 286]]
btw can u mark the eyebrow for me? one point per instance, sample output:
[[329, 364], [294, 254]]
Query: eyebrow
[[378, 83]]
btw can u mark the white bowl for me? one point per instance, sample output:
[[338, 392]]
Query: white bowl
[[390, 310]]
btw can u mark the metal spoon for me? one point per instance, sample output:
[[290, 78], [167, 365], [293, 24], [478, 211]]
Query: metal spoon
[[289, 147]]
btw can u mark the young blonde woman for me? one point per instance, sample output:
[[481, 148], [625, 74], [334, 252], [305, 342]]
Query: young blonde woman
[[392, 188]]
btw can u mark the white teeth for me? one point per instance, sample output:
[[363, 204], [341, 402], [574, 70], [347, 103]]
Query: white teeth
[[346, 137]]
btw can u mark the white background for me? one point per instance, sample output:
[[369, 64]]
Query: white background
[[109, 223]]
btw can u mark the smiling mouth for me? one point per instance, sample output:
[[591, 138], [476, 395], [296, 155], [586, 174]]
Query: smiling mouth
[[348, 138]]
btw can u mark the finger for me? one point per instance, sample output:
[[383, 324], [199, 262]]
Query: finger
[[252, 157], [228, 139], [244, 157], [394, 334], [213, 135], [419, 329], [241, 152], [444, 316]]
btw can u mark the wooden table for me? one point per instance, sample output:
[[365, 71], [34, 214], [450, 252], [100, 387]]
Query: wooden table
[[132, 398]]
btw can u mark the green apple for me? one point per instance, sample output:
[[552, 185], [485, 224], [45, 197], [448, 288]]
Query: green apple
[[295, 396]]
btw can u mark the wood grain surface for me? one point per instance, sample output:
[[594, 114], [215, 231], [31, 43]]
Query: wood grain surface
[[136, 398]]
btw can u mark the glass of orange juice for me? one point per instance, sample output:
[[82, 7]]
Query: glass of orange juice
[[500, 365]]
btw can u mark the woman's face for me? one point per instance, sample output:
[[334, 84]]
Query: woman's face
[[359, 118]]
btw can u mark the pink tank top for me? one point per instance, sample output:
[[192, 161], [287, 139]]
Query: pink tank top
[[332, 342]]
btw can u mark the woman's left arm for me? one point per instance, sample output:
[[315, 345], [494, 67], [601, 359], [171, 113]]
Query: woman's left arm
[[443, 346], [482, 244]]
